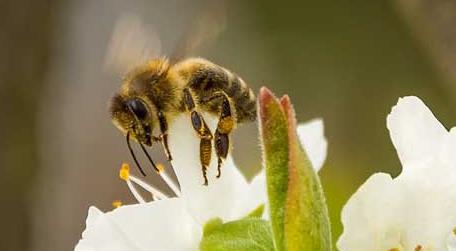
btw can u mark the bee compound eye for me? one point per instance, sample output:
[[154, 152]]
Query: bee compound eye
[[138, 108]]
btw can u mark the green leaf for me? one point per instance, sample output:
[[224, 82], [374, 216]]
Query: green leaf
[[274, 135], [299, 216], [307, 223], [211, 225], [248, 234], [257, 212]]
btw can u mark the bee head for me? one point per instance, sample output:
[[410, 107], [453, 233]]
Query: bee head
[[133, 116]]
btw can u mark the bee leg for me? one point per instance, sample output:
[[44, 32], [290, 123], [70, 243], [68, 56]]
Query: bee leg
[[222, 143], [224, 127], [205, 135], [203, 132], [164, 134], [205, 156]]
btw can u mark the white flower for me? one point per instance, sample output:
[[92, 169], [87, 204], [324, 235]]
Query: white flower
[[176, 223], [415, 211]]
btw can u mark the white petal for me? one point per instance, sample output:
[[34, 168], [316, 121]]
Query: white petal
[[451, 242], [415, 209], [160, 225], [448, 155], [311, 135], [222, 196], [93, 215], [255, 196], [415, 132], [369, 217], [430, 192]]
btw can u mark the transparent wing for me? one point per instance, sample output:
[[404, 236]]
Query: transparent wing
[[208, 24], [132, 43]]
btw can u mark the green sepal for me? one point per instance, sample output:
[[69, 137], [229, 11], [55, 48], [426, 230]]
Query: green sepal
[[247, 234], [298, 211], [274, 139]]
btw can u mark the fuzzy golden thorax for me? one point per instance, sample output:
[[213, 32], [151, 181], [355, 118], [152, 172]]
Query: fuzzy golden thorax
[[141, 79]]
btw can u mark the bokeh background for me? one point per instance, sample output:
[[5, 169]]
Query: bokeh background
[[345, 61]]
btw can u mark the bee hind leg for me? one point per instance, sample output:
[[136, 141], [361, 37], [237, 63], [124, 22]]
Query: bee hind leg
[[203, 131], [224, 128]]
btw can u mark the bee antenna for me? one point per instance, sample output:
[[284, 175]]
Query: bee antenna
[[150, 158], [133, 155]]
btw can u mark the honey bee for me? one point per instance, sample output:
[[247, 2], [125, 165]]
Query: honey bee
[[152, 94]]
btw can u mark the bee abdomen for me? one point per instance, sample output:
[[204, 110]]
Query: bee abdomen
[[209, 80], [243, 97]]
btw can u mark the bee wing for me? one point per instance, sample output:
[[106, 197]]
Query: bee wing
[[131, 43], [206, 27]]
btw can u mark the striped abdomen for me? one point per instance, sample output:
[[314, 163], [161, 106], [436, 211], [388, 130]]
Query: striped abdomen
[[207, 79]]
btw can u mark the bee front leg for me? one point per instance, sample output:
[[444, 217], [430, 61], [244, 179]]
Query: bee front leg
[[203, 132], [224, 127], [164, 134]]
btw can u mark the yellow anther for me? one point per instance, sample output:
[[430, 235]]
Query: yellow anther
[[117, 203], [160, 167], [124, 172]]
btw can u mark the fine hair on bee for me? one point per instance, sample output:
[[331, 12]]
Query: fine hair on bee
[[152, 95]]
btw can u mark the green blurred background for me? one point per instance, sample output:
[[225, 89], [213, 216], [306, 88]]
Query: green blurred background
[[344, 61]]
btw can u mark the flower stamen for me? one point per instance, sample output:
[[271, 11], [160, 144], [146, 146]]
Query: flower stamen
[[154, 191], [135, 192], [116, 203], [124, 174], [171, 184]]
